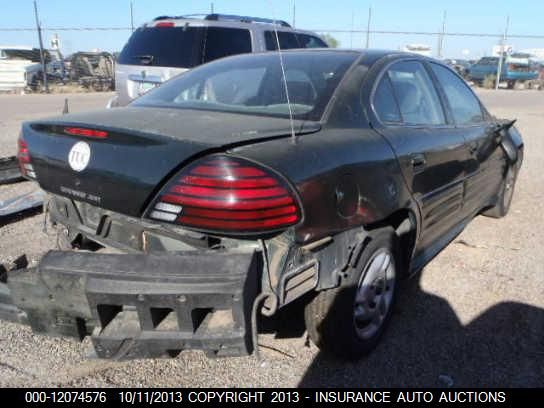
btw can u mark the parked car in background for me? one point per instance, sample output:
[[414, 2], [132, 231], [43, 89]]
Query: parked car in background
[[515, 69], [231, 199], [168, 46], [20, 68]]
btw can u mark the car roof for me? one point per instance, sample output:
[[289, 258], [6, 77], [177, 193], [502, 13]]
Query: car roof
[[369, 56]]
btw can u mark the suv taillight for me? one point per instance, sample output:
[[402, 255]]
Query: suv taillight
[[221, 193], [24, 159]]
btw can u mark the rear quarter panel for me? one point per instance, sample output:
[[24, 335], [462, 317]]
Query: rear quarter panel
[[345, 177]]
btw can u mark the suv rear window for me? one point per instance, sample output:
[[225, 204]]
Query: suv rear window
[[183, 47], [291, 40]]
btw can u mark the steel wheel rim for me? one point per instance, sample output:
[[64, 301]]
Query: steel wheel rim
[[508, 188], [374, 294]]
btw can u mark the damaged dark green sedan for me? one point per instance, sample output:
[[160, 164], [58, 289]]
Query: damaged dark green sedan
[[322, 176]]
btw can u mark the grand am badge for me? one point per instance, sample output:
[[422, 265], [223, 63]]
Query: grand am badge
[[79, 156]]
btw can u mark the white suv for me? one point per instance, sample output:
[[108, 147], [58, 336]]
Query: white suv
[[168, 46]]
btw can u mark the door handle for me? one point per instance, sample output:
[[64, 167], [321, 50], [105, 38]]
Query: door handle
[[473, 147], [418, 161]]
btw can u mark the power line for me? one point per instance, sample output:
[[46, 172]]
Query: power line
[[321, 30], [70, 29]]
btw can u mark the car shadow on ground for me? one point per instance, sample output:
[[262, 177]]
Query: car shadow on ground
[[426, 345]]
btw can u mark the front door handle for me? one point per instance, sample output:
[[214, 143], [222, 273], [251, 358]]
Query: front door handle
[[418, 161]]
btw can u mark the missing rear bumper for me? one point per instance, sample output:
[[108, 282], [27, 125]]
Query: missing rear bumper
[[143, 306]]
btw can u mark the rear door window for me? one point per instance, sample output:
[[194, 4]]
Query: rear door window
[[418, 100], [287, 40], [221, 42], [290, 40], [310, 41], [464, 106]]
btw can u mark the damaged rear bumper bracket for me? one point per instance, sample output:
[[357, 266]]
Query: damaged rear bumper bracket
[[143, 306]]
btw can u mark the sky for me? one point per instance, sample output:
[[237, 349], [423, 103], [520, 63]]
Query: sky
[[480, 16]]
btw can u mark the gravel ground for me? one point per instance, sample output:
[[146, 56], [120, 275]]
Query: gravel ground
[[474, 317]]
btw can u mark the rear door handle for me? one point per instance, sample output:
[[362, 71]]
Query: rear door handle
[[418, 161]]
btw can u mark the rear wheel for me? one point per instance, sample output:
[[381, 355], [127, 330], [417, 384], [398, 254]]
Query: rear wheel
[[348, 321], [505, 195]]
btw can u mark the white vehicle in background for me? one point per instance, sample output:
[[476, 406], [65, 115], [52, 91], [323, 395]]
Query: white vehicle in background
[[19, 67], [168, 46], [421, 49]]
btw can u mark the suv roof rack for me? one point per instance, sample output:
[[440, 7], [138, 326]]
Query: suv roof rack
[[227, 17], [245, 19]]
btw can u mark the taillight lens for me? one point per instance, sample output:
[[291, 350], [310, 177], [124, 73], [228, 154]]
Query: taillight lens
[[23, 156], [221, 193]]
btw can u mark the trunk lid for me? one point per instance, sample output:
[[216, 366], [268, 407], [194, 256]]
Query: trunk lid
[[143, 148]]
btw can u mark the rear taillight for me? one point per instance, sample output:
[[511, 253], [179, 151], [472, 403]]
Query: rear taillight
[[221, 193], [23, 156]]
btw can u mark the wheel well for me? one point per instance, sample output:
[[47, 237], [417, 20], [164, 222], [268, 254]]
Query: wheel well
[[405, 225]]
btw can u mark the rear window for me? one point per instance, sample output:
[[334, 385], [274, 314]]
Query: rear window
[[183, 47], [164, 46], [253, 85], [291, 40]]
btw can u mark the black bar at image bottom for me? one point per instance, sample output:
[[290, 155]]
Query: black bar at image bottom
[[303, 396]]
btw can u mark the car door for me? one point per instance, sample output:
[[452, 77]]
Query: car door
[[431, 153], [485, 164]]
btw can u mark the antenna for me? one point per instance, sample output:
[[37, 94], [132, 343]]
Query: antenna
[[284, 79]]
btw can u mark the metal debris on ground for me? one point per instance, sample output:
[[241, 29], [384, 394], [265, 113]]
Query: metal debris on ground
[[20, 204], [9, 170]]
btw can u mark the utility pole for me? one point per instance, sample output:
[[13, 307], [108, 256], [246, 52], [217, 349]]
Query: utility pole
[[442, 35], [211, 8], [294, 12], [352, 28], [132, 16], [42, 56], [503, 43], [368, 27]]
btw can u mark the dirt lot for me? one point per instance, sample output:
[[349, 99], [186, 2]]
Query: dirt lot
[[474, 317]]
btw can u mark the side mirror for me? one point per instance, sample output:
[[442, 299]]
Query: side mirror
[[497, 129], [503, 139]]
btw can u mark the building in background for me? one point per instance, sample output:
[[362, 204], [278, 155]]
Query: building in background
[[421, 49]]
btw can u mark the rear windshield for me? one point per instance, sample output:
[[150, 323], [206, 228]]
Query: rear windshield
[[253, 84], [183, 47]]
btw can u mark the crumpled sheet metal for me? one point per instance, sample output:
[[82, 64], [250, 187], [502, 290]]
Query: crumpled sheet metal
[[21, 203]]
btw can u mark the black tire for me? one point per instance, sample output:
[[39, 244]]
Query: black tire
[[331, 315], [504, 199]]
